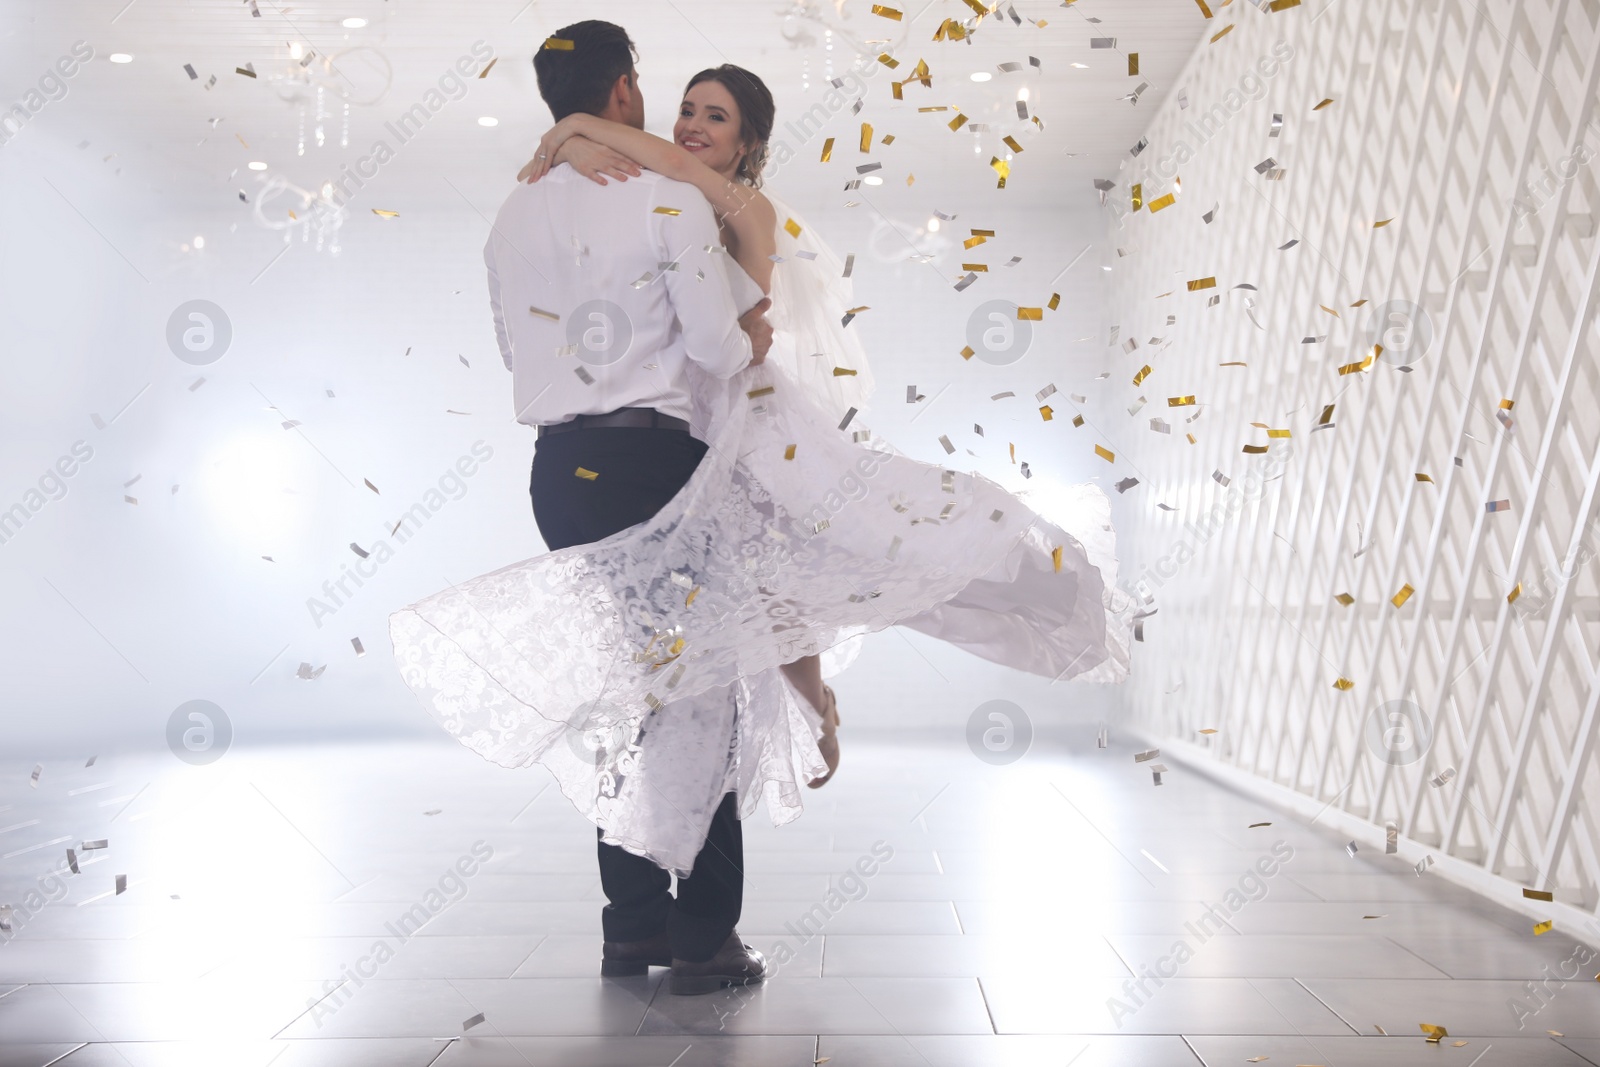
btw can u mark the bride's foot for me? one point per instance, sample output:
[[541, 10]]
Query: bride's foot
[[828, 744]]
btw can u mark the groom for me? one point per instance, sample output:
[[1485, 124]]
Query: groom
[[622, 291]]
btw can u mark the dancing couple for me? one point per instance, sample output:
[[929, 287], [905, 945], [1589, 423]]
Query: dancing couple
[[719, 522]]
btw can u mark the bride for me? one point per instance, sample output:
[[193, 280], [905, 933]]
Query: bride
[[798, 532]]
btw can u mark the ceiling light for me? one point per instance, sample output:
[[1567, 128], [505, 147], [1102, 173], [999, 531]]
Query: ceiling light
[[296, 50], [933, 224], [257, 165], [353, 24], [121, 57], [1105, 268], [981, 76], [199, 242], [1022, 93], [1081, 66], [873, 179], [488, 120]]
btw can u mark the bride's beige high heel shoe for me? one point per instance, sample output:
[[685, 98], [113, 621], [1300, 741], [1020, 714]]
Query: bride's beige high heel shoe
[[828, 744]]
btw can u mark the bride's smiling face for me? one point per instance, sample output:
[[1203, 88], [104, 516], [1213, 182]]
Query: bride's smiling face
[[708, 125]]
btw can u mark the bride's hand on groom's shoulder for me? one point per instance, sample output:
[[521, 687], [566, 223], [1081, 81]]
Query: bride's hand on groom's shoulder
[[565, 143]]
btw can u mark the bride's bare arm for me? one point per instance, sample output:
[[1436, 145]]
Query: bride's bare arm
[[748, 213]]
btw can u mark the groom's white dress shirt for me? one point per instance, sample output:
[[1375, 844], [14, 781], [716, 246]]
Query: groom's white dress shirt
[[601, 293]]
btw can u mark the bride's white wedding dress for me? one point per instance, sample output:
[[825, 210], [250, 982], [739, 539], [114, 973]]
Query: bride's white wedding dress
[[642, 669]]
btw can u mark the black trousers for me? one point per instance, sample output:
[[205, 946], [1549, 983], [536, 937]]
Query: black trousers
[[640, 470]]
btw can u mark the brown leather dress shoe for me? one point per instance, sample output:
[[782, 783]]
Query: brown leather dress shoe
[[626, 959], [735, 963]]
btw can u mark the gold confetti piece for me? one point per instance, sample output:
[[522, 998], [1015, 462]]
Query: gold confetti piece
[[1324, 102], [1002, 168], [1538, 894], [668, 211], [1278, 433], [1511, 597], [1204, 10], [842, 372], [887, 12], [1207, 730], [1202, 283], [550, 315], [1162, 201], [1144, 372], [369, 485], [967, 353], [1055, 557], [765, 390], [1011, 143], [1344, 598], [982, 233], [827, 150], [586, 475], [1434, 1032], [1047, 412], [1424, 478], [1180, 401], [866, 137], [1030, 314], [959, 121], [1138, 195], [1077, 420], [899, 93], [1054, 302], [1403, 595], [1282, 5], [792, 228], [484, 73], [1220, 34], [1105, 454], [974, 241], [1382, 223], [1329, 310], [1540, 929], [1133, 64], [382, 214], [1255, 450], [1234, 363], [558, 44], [1343, 684], [1256, 825], [1356, 368], [980, 267]]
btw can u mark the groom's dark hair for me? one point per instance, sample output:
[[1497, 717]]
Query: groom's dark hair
[[578, 72]]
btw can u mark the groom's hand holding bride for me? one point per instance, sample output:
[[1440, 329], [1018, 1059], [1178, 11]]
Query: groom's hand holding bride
[[754, 323]]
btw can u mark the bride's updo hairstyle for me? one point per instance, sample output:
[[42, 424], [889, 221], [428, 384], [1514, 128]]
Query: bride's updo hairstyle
[[756, 114]]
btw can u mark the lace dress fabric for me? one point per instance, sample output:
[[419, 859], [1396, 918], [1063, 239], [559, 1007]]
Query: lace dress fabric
[[641, 670]]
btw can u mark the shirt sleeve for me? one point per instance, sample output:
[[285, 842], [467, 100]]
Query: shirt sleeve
[[494, 303], [705, 308]]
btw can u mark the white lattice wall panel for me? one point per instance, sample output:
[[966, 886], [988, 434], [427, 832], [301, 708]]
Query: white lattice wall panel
[[1465, 124]]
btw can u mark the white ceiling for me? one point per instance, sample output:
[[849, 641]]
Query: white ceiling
[[158, 121]]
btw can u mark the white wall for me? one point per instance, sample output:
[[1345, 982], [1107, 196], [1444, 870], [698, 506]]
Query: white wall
[[1469, 125]]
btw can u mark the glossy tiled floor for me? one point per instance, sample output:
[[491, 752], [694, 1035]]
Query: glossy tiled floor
[[1013, 924]]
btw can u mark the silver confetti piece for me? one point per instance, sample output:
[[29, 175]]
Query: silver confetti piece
[[1220, 478], [1104, 739], [1102, 42], [33, 779], [91, 761], [1048, 390], [583, 375], [474, 1021], [92, 846], [894, 549], [1150, 754], [309, 673], [964, 282], [358, 550], [643, 281], [1351, 850], [1265, 165], [72, 861], [1277, 124], [947, 481], [122, 884], [188, 68], [1144, 142], [849, 265], [848, 415], [1391, 839], [1423, 864], [1442, 777], [1002, 396], [356, 643], [1126, 484], [945, 441]]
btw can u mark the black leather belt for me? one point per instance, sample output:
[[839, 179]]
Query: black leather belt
[[638, 418]]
